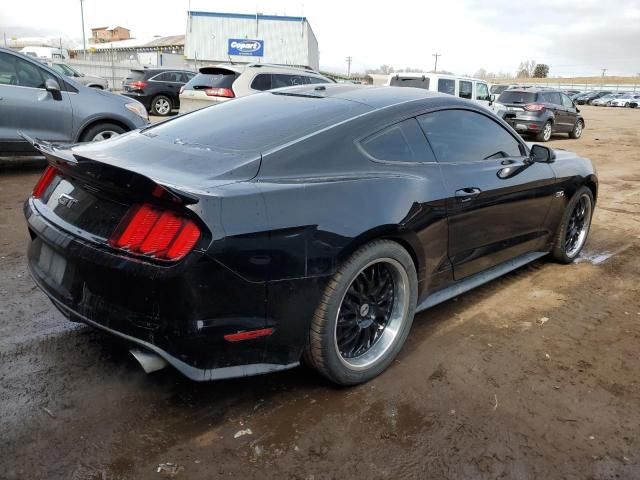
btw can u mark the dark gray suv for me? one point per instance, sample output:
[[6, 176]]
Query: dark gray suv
[[542, 112], [44, 104]]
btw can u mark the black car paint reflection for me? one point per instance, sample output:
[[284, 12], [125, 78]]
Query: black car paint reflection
[[280, 211]]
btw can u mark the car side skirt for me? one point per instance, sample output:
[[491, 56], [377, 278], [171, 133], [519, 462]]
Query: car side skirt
[[478, 279]]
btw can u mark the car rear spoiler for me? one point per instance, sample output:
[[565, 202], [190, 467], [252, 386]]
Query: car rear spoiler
[[105, 176]]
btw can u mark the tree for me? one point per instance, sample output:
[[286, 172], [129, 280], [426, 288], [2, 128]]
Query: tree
[[384, 69], [481, 73], [541, 71], [526, 68]]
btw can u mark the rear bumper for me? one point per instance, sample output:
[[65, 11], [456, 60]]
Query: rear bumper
[[525, 123], [181, 312]]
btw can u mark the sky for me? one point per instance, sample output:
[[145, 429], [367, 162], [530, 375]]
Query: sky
[[574, 37]]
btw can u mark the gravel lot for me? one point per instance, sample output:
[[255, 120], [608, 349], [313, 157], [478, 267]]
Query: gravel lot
[[532, 376]]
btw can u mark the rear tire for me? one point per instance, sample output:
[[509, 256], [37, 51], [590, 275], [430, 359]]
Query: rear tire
[[364, 315], [574, 227], [102, 131], [577, 130], [161, 105], [545, 134]]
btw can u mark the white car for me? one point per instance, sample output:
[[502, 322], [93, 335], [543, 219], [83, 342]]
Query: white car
[[629, 100], [605, 100], [464, 87], [219, 83]]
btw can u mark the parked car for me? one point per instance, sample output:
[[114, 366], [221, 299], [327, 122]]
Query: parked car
[[627, 100], [43, 103], [575, 96], [219, 83], [498, 89], [463, 87], [570, 92], [158, 89], [92, 81], [308, 222], [542, 112], [587, 99], [605, 100]]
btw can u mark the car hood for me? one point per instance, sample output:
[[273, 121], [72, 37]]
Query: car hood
[[192, 168]]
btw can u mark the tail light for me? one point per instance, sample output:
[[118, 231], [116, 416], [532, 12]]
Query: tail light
[[139, 85], [219, 92], [534, 107], [157, 233], [45, 180]]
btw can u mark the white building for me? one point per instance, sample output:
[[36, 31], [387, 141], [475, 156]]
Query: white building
[[241, 38]]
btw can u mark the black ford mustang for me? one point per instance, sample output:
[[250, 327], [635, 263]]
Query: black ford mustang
[[307, 223]]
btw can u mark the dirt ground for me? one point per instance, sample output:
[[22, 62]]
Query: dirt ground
[[533, 376]]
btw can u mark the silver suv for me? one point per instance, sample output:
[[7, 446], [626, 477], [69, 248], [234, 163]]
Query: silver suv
[[92, 81], [44, 104], [219, 83]]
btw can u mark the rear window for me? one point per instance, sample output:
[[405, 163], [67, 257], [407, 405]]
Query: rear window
[[135, 75], [422, 82], [214, 78], [236, 126], [511, 96]]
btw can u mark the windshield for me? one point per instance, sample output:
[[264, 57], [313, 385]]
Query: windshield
[[498, 89], [64, 69], [511, 96]]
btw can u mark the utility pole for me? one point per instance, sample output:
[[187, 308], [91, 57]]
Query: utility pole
[[84, 40], [604, 70], [349, 60], [435, 65]]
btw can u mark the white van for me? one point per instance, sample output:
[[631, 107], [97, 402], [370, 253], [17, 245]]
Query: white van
[[463, 87]]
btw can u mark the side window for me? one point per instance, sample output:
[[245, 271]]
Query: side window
[[446, 85], [29, 75], [458, 136], [314, 80], [7, 70], [482, 92], [552, 97], [262, 82], [566, 101], [186, 77], [163, 77], [280, 80], [465, 89], [402, 142]]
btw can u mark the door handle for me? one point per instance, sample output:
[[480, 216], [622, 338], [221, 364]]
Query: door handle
[[467, 194]]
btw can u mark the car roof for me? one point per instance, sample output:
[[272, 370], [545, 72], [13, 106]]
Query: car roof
[[241, 68], [375, 97], [533, 89], [433, 75]]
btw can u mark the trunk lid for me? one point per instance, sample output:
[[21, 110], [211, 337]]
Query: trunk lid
[[96, 184]]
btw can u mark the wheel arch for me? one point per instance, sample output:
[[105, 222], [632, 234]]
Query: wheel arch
[[98, 121], [592, 184], [405, 238]]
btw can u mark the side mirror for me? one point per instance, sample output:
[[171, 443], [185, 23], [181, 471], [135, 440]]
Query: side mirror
[[492, 97], [53, 87], [541, 154]]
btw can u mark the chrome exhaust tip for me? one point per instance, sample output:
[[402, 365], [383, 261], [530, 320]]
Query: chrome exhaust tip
[[149, 361]]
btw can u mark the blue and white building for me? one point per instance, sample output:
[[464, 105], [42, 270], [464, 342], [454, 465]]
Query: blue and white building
[[243, 38]]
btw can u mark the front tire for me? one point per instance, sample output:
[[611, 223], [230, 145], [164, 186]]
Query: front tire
[[161, 106], [545, 134], [574, 227], [102, 131], [364, 315]]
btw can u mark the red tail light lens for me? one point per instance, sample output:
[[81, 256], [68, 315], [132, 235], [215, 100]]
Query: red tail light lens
[[45, 180], [534, 107], [219, 92], [138, 85], [159, 234]]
